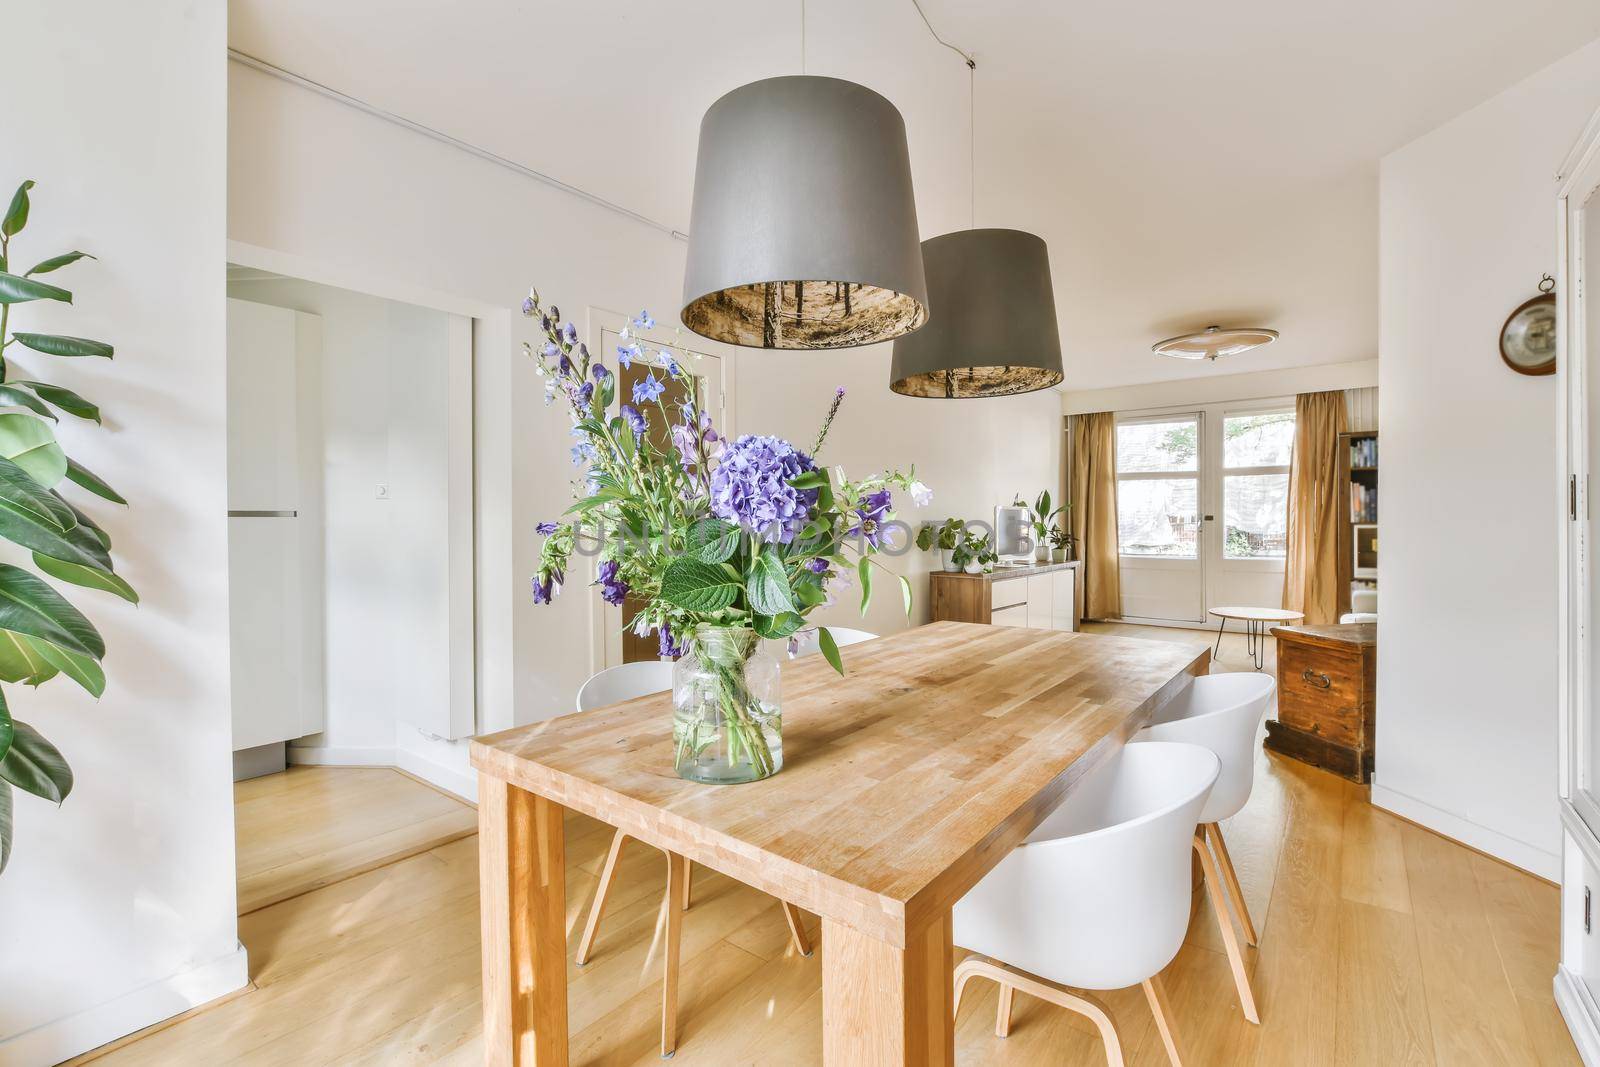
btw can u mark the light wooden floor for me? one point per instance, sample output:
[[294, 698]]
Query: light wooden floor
[[312, 826], [1381, 944]]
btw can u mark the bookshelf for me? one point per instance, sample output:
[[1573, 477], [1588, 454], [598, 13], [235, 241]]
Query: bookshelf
[[1358, 522]]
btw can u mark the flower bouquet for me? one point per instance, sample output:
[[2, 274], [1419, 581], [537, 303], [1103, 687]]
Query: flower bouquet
[[724, 545]]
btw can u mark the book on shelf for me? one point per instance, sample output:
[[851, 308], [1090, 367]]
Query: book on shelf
[[1363, 503]]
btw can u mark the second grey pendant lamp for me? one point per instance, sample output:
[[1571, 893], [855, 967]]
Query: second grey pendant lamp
[[803, 232], [992, 308]]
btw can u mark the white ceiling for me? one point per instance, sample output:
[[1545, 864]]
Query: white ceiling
[[1187, 163]]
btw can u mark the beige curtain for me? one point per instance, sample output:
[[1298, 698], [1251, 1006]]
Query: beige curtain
[[1094, 512], [1311, 570]]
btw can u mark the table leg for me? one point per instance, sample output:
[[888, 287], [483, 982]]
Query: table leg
[[1217, 651], [884, 1006], [522, 904]]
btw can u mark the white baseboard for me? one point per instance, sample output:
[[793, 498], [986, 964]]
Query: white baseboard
[[1581, 1013], [449, 779], [1534, 860], [340, 756], [75, 1034]]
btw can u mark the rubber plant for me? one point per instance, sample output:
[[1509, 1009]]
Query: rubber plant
[[41, 634]]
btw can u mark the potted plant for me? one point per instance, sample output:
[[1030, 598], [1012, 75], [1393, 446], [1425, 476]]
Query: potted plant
[[974, 554], [945, 536], [727, 545], [1040, 519], [1060, 545]]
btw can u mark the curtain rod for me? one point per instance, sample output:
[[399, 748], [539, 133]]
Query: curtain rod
[[246, 60]]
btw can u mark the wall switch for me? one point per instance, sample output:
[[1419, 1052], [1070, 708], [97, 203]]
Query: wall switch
[[383, 491]]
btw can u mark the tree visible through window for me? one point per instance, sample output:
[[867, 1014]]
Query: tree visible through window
[[1255, 484], [1158, 482]]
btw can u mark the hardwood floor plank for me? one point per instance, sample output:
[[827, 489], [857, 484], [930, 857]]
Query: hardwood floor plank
[[1382, 1008], [1374, 866]]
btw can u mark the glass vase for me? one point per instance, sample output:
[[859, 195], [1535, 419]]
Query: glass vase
[[727, 726]]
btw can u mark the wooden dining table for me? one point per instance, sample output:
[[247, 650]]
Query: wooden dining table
[[903, 783]]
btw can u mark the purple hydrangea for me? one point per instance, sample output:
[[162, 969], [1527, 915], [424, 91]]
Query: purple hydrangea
[[751, 487], [636, 422], [871, 514], [612, 588], [667, 645]]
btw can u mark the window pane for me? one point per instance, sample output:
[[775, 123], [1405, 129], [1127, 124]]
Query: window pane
[[1258, 440], [1158, 446], [1157, 517], [1255, 513]]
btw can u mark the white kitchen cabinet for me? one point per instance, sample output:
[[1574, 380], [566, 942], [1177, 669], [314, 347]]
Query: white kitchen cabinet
[[1064, 598], [1041, 601]]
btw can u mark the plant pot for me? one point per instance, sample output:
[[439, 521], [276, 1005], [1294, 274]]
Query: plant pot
[[1058, 555], [1041, 553], [727, 724], [974, 567], [948, 557]]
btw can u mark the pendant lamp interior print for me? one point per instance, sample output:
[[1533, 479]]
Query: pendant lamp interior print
[[803, 233]]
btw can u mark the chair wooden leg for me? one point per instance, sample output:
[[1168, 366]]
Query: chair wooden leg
[[1002, 1011], [1156, 994], [797, 928], [1013, 981], [1230, 939], [672, 921], [1231, 877], [688, 882], [596, 909]]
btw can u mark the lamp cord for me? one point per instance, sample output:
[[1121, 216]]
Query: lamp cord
[[972, 110]]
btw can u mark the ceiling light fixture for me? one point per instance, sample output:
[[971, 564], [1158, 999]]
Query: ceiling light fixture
[[1214, 341], [993, 328], [803, 233]]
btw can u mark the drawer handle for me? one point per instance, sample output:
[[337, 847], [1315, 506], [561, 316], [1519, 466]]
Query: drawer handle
[[1310, 677]]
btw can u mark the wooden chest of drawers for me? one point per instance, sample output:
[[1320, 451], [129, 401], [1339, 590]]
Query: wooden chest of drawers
[[1327, 676]]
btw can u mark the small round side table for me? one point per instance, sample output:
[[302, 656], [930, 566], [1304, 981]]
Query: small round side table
[[1256, 621]]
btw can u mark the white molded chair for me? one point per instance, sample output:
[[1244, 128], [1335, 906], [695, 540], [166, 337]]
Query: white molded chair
[[612, 686], [804, 642], [1222, 712], [1098, 896]]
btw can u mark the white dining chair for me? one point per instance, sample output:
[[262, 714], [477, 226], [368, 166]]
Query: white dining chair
[[1223, 713], [1098, 895], [805, 642], [612, 686]]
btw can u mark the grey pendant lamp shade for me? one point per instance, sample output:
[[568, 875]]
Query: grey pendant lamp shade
[[993, 325], [803, 232]]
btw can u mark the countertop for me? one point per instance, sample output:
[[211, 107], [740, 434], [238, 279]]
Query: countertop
[[1000, 574]]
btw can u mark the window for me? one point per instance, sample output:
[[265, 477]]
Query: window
[[1255, 484], [1158, 487]]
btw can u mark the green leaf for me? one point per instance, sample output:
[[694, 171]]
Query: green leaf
[[15, 289], [905, 593], [830, 650], [777, 628], [713, 540], [65, 399], [864, 572], [55, 344], [88, 479], [29, 443], [767, 584], [20, 494], [57, 262], [17, 214], [810, 480], [20, 663], [695, 586], [5, 825], [36, 766], [87, 531], [11, 396], [8, 731], [86, 576], [75, 665], [30, 608]]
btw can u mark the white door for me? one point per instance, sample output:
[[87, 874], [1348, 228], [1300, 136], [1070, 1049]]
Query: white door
[[274, 641], [1160, 532], [1245, 484]]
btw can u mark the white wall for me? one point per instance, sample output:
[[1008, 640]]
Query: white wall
[[120, 905], [380, 393], [1467, 712], [314, 179]]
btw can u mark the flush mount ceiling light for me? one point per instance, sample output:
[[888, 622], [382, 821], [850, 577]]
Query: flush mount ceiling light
[[803, 233], [1214, 341]]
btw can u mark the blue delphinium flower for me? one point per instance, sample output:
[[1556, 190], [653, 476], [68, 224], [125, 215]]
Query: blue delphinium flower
[[569, 334], [528, 305], [649, 390], [546, 585], [644, 321], [582, 453], [673, 370], [626, 354], [871, 514], [636, 422], [564, 368], [751, 487], [600, 373], [550, 350], [545, 529], [817, 565], [612, 589], [666, 644]]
